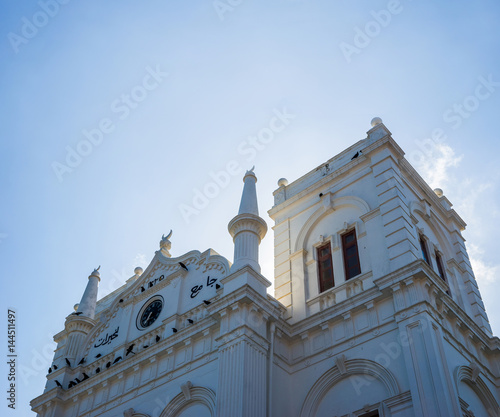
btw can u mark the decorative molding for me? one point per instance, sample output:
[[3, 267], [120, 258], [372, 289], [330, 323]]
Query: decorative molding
[[340, 363], [198, 395], [470, 375], [352, 367], [370, 215], [328, 206], [186, 390]]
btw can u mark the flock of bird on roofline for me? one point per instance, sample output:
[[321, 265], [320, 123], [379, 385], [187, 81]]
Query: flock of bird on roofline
[[129, 351], [131, 347]]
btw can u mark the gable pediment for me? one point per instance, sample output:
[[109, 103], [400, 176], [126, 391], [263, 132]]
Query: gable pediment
[[175, 290]]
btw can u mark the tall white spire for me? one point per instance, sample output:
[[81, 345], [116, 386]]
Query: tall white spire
[[248, 203], [247, 228], [89, 298]]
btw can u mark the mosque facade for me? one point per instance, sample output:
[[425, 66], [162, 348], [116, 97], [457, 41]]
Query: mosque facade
[[376, 311]]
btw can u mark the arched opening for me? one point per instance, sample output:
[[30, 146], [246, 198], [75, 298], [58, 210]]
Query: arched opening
[[475, 397], [340, 391], [199, 402]]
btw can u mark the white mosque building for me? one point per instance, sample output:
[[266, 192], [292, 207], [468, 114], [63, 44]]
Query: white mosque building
[[376, 311]]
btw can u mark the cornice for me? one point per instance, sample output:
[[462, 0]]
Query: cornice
[[247, 222]]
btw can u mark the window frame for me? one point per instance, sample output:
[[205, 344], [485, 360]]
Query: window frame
[[346, 246], [423, 249], [440, 266], [321, 283]]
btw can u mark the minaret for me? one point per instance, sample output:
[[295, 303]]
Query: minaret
[[89, 298], [247, 228], [76, 329]]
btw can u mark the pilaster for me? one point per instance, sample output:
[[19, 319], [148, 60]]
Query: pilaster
[[242, 389]]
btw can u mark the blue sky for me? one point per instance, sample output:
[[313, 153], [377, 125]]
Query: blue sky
[[177, 88]]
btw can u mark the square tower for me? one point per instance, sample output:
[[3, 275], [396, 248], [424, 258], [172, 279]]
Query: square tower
[[363, 215]]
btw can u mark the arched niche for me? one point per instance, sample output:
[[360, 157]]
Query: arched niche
[[433, 231], [349, 385], [339, 207], [474, 394], [196, 402]]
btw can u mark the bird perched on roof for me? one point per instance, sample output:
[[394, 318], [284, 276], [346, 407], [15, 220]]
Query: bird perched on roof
[[58, 383], [81, 362], [157, 338], [50, 370], [98, 370], [356, 155], [206, 302], [129, 349], [190, 321], [67, 362], [119, 358], [183, 266], [174, 329], [98, 355], [108, 364]]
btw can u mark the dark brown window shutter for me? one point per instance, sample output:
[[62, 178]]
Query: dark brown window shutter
[[325, 267], [351, 255]]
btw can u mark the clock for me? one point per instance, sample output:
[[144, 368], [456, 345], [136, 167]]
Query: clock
[[150, 312]]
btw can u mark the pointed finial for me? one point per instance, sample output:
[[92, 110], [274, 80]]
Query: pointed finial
[[96, 272], [250, 173], [165, 244]]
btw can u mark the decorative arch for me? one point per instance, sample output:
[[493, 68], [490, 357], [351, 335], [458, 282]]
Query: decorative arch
[[197, 395], [328, 206], [419, 208], [345, 369], [470, 376]]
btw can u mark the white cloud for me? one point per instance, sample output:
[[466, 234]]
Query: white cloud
[[140, 260], [484, 272], [435, 166], [471, 191]]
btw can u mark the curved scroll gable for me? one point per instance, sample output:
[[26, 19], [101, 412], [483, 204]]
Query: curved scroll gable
[[471, 376], [344, 369], [197, 395], [328, 205], [171, 272], [208, 260]]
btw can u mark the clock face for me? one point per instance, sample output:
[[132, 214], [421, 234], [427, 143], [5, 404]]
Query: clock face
[[150, 312]]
